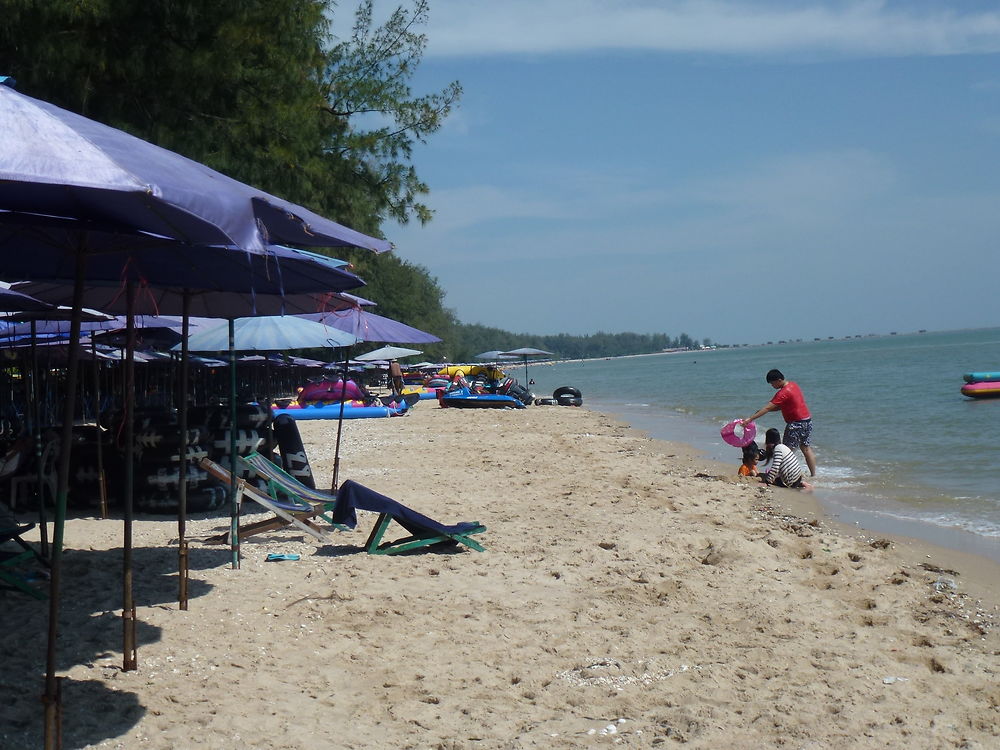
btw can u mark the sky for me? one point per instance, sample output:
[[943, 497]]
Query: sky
[[738, 171]]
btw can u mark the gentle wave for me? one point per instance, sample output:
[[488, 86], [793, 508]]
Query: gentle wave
[[890, 423]]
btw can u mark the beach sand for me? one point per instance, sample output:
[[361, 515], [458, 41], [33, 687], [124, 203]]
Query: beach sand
[[631, 593]]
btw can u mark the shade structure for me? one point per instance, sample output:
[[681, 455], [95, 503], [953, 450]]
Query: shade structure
[[494, 354], [268, 334], [55, 320], [524, 353], [201, 303], [98, 322], [387, 352], [14, 301], [57, 162], [38, 251], [367, 326]]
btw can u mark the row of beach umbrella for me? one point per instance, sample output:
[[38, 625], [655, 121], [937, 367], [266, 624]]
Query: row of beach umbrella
[[89, 207]]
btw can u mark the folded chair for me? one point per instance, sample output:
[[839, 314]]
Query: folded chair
[[423, 531], [9, 576], [286, 512], [338, 510]]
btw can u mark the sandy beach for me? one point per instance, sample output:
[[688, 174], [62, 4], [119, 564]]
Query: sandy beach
[[631, 593]]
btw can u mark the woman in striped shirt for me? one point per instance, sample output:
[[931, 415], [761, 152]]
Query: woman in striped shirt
[[782, 467]]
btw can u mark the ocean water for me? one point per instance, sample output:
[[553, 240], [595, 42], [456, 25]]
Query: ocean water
[[899, 448]]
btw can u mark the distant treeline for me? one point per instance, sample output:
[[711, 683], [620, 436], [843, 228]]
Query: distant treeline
[[471, 339]]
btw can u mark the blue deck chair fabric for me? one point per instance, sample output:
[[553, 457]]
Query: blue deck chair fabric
[[423, 531]]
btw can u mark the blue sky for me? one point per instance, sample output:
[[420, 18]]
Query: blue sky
[[741, 171]]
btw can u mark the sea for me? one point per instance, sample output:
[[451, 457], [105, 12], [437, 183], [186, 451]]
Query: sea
[[899, 449]]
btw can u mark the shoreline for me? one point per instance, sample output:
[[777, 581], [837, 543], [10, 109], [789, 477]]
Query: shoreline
[[628, 587], [980, 572], [834, 502]]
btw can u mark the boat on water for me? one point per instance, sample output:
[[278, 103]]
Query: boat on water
[[982, 389], [980, 377]]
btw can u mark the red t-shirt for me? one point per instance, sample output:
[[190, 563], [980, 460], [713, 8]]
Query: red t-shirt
[[793, 405]]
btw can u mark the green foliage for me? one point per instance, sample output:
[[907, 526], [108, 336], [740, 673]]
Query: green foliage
[[258, 89], [368, 77], [472, 339]]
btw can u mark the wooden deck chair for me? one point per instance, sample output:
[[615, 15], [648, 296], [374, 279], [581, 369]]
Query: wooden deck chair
[[10, 576], [423, 531], [286, 512]]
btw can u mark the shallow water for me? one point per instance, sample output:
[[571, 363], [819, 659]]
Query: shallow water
[[895, 439]]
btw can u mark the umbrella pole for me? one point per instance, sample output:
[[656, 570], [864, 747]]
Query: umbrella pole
[[129, 657], [182, 420], [102, 485], [36, 428], [234, 524], [52, 698], [340, 423]]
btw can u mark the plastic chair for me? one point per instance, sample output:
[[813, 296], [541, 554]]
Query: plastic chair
[[27, 483]]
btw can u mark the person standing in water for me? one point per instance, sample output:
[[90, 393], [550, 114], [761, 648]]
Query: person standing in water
[[798, 420]]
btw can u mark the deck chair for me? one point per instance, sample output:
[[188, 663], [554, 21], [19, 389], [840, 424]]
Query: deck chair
[[338, 511], [281, 484], [294, 512], [423, 531], [10, 576]]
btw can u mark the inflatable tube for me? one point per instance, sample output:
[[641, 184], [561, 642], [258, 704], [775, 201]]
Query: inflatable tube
[[332, 411], [199, 501], [217, 417], [247, 441], [167, 437], [569, 401], [494, 373], [979, 377], [738, 435], [168, 478], [566, 390], [329, 390], [982, 389], [293, 452], [463, 398], [164, 454], [546, 402], [423, 392]]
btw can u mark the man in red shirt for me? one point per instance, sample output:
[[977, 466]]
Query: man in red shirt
[[798, 420]]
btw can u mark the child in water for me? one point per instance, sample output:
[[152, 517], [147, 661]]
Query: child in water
[[751, 454], [782, 467]]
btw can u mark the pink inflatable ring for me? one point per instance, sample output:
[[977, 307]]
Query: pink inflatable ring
[[738, 436]]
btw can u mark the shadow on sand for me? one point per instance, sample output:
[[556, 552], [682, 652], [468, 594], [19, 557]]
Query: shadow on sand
[[90, 630]]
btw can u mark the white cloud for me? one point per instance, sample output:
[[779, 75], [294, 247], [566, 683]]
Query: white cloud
[[863, 28]]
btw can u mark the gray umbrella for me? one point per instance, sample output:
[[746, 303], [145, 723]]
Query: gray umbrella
[[526, 352]]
